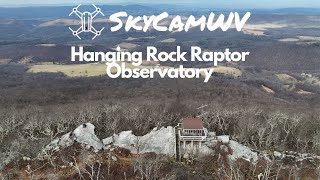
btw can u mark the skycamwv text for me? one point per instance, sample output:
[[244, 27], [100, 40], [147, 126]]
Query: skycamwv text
[[177, 24]]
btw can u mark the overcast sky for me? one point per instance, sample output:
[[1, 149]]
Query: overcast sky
[[213, 3]]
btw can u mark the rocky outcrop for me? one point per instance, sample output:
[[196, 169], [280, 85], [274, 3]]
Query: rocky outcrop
[[83, 134], [159, 141]]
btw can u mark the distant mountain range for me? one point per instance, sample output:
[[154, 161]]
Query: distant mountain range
[[291, 11], [135, 9], [64, 11]]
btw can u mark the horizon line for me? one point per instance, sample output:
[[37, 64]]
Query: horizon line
[[187, 5]]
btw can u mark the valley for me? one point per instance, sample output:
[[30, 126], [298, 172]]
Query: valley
[[268, 103]]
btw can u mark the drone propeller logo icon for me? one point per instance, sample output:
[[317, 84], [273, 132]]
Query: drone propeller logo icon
[[86, 21]]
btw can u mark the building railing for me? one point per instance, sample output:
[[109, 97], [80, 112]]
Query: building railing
[[192, 138]]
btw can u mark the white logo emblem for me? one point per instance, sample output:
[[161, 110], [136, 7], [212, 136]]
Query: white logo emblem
[[86, 21]]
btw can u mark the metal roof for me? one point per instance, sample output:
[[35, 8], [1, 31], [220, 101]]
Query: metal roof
[[192, 123]]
